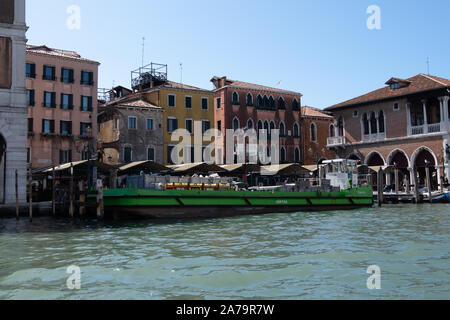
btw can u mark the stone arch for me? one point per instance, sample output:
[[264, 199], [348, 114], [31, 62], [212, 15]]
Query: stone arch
[[417, 160], [354, 156], [375, 159], [400, 157]]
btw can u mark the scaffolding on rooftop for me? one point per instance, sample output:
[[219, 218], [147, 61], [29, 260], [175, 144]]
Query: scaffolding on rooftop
[[148, 76]]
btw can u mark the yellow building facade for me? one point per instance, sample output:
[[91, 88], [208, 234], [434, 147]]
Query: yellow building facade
[[183, 106]]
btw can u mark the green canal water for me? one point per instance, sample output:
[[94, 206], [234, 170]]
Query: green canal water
[[278, 256]]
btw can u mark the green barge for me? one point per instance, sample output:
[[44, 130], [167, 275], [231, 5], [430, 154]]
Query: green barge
[[178, 204]]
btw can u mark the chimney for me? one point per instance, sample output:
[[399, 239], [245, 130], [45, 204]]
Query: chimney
[[222, 82]]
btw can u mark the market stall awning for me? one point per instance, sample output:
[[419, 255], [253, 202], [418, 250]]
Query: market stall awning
[[284, 169], [386, 169], [195, 168], [241, 168], [78, 167], [145, 166]]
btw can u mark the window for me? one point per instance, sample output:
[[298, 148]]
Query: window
[[127, 154], [249, 99], [271, 102], [297, 155], [188, 102], [49, 73], [149, 124], [296, 131], [87, 78], [355, 114], [219, 103], [85, 129], [171, 100], [395, 86], [132, 123], [204, 103], [205, 126], [65, 156], [49, 99], [381, 121], [373, 123], [332, 131], [115, 124], [313, 132], [219, 127], [282, 130], [48, 126], [366, 124], [66, 127], [272, 127], [259, 101], [151, 154], [67, 75], [169, 154], [250, 124], [30, 125], [31, 70], [283, 155], [66, 101], [86, 103], [28, 155], [236, 124], [295, 105], [396, 107], [30, 98], [235, 99], [341, 126], [266, 128], [266, 102], [189, 125], [172, 125], [281, 104]]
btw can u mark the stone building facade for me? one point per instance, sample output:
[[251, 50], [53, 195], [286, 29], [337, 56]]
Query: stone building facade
[[62, 106], [131, 129], [405, 124], [13, 112]]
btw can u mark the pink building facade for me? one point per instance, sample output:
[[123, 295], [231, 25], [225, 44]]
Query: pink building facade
[[62, 106]]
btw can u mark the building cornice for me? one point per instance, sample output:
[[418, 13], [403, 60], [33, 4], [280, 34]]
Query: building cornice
[[80, 60]]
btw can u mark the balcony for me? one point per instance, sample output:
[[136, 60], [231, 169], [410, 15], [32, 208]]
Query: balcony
[[433, 128], [374, 137], [335, 141], [428, 128]]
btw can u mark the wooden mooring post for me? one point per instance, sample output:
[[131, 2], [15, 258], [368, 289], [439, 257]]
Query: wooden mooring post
[[17, 195], [71, 196], [428, 177], [380, 186], [416, 187], [100, 204], [30, 196], [53, 192], [82, 205]]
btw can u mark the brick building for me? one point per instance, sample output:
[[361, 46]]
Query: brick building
[[315, 129], [245, 105], [404, 124], [62, 106]]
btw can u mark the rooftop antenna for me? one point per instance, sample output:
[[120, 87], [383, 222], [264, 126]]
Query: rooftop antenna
[[181, 73], [428, 65], [143, 51]]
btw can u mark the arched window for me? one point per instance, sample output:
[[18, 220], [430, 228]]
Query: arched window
[[373, 123], [332, 131], [281, 104], [236, 124], [272, 127], [250, 124], [249, 99], [297, 155], [296, 131], [295, 105], [259, 101], [313, 132], [271, 102], [283, 154], [266, 101], [260, 127], [381, 121], [282, 129], [366, 124], [266, 126], [235, 98], [341, 126]]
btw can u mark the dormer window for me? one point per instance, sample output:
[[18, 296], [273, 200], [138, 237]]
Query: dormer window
[[395, 86], [396, 83]]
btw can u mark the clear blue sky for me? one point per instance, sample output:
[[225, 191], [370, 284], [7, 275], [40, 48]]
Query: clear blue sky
[[322, 49]]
